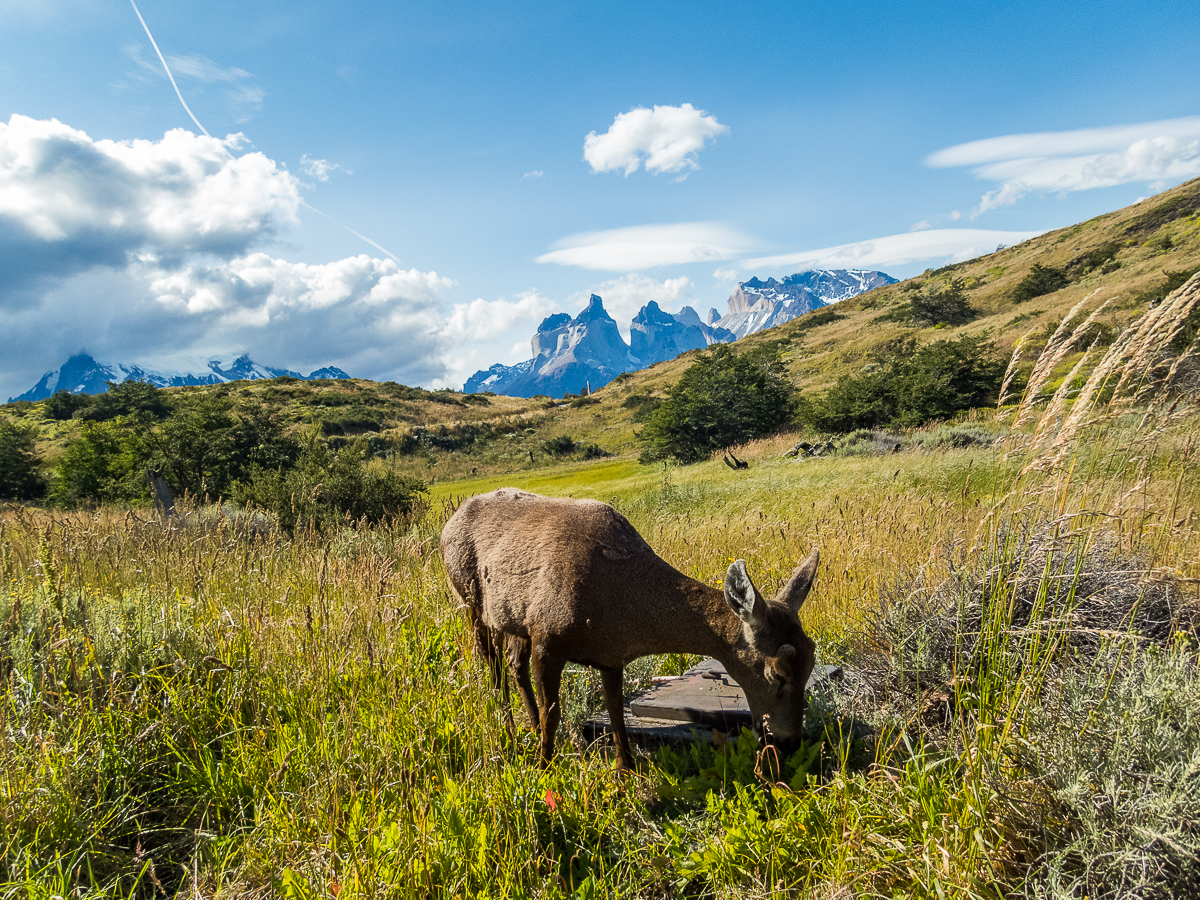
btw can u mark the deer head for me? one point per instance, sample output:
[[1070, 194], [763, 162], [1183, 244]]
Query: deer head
[[779, 655]]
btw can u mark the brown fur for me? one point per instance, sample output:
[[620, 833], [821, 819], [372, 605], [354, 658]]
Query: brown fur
[[572, 581]]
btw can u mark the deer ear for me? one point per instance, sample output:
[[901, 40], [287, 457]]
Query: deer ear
[[741, 595], [793, 593]]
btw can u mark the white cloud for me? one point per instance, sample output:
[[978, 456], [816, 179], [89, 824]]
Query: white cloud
[[69, 203], [666, 138], [624, 296], [481, 319], [950, 244], [923, 225], [1157, 153], [646, 246], [319, 169], [536, 173]]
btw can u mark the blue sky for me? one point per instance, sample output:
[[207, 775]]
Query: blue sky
[[516, 157]]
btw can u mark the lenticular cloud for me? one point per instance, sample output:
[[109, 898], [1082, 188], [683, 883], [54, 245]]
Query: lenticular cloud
[[1156, 153], [666, 139]]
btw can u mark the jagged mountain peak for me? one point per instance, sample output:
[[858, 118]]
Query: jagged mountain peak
[[82, 374]]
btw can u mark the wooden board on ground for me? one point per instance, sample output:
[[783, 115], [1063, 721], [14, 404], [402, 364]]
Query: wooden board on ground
[[689, 707]]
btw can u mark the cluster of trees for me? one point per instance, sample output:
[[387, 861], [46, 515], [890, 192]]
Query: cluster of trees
[[205, 445], [910, 385], [724, 399]]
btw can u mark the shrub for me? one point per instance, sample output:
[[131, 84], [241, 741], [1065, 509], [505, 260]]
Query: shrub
[[19, 475], [948, 306], [326, 488], [1040, 280], [129, 398], [63, 404], [559, 446], [209, 443], [910, 386], [642, 404], [104, 463], [722, 399], [947, 437], [595, 451]]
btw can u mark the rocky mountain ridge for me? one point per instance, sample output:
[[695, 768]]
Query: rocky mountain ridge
[[82, 374], [757, 305], [573, 355]]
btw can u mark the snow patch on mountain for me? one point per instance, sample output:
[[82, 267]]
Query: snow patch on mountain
[[82, 374]]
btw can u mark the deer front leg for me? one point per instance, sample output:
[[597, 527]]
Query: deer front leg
[[547, 678], [614, 698]]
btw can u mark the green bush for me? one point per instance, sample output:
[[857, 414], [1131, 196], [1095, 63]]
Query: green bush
[[948, 306], [63, 404], [129, 398], [1040, 280], [722, 399], [559, 446], [104, 463], [595, 451], [19, 475], [326, 488], [911, 386], [208, 443]]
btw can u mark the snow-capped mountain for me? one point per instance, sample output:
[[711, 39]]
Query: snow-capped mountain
[[656, 335], [81, 374], [757, 305], [572, 354]]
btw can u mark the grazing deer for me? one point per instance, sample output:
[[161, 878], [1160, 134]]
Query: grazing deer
[[562, 581]]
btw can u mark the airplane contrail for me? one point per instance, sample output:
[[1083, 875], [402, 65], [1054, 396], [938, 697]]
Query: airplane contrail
[[178, 94], [167, 69]]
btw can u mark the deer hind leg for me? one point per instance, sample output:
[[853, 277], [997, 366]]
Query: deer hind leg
[[547, 678], [490, 644], [614, 698], [519, 650]]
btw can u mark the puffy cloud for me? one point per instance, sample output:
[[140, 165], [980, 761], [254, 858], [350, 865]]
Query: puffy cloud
[[646, 246], [69, 203], [666, 138], [536, 173], [1065, 161], [951, 244], [482, 319]]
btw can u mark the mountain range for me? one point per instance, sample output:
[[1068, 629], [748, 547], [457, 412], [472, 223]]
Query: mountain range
[[81, 374], [574, 355]]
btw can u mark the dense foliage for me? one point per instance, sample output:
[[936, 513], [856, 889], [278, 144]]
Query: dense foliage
[[325, 488], [942, 306], [19, 476], [721, 400], [1040, 280], [910, 386]]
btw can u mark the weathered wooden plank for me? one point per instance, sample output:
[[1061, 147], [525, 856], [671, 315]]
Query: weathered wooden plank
[[690, 706]]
